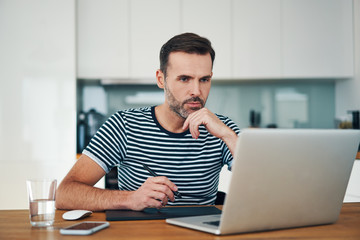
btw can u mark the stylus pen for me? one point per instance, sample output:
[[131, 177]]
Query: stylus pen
[[176, 193]]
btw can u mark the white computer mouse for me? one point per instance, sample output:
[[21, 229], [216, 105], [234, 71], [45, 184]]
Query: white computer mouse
[[76, 214]]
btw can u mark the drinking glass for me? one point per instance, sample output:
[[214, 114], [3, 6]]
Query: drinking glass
[[41, 194]]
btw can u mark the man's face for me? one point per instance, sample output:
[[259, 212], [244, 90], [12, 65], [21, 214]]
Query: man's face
[[188, 82]]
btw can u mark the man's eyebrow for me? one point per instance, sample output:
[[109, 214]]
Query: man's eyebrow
[[207, 76], [187, 76], [184, 75]]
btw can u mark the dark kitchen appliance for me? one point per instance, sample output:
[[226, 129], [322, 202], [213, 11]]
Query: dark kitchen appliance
[[255, 119], [355, 119], [88, 124]]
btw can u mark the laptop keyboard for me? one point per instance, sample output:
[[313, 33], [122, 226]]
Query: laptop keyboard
[[214, 223]]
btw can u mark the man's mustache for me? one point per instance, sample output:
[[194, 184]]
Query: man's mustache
[[194, 99]]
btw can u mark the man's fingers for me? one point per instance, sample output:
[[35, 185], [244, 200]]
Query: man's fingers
[[165, 187], [165, 181], [186, 124], [193, 122], [154, 203], [154, 192]]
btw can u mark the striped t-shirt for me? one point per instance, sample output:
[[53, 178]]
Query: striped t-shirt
[[131, 137]]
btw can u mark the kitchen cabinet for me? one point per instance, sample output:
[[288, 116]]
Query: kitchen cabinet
[[256, 39], [121, 39], [152, 23], [103, 38], [317, 38], [292, 39], [253, 39], [211, 19]]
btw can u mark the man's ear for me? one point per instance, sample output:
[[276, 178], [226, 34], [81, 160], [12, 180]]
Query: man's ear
[[160, 78]]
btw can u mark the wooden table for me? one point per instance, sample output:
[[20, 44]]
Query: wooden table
[[14, 224]]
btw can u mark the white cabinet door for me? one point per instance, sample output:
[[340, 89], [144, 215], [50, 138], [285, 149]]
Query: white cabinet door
[[152, 24], [253, 39], [103, 39], [256, 40], [211, 19], [317, 39], [293, 39]]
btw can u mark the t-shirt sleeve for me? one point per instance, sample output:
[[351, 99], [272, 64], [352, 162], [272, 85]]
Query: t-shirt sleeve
[[108, 146]]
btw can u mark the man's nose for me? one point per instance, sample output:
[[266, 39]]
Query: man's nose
[[195, 88]]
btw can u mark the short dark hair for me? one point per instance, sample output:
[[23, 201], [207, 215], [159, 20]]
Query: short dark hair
[[188, 43]]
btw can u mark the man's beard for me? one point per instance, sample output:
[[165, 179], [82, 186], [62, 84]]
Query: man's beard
[[178, 107]]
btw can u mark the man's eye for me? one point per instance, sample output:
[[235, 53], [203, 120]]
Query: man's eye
[[205, 79], [183, 79]]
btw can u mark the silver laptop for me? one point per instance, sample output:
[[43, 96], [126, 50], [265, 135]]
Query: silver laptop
[[283, 179]]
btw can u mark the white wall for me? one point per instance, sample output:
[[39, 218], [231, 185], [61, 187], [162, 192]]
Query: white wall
[[347, 92], [37, 94]]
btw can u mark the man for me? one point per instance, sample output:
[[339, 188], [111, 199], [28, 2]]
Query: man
[[184, 143]]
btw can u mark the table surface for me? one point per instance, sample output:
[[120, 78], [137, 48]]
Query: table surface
[[14, 224]]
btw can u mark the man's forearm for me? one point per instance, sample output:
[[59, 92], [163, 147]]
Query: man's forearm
[[76, 195]]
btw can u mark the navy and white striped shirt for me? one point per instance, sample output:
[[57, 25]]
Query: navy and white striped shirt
[[131, 137]]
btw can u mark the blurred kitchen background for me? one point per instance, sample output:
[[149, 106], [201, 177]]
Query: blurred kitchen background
[[67, 65], [284, 104]]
